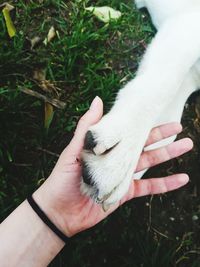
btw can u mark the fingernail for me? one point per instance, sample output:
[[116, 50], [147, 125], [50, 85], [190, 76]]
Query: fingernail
[[94, 103], [183, 178]]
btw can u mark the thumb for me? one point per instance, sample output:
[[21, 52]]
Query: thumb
[[92, 116]]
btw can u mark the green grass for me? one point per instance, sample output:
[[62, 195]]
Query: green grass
[[85, 59]]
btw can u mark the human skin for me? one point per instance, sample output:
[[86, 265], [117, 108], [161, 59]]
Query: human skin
[[26, 241]]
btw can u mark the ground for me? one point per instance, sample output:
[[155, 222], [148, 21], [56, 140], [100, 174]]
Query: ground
[[88, 58]]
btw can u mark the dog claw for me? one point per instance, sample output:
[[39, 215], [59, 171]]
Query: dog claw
[[105, 207]]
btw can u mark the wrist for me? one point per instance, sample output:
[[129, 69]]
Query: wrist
[[23, 236], [49, 204]]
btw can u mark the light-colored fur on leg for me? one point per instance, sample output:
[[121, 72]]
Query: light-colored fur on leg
[[167, 75]]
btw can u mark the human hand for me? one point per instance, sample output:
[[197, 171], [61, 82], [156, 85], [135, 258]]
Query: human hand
[[60, 196]]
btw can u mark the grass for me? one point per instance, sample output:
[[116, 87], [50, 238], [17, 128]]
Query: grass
[[85, 59]]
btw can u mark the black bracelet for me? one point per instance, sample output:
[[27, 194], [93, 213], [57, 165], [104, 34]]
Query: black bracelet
[[46, 220]]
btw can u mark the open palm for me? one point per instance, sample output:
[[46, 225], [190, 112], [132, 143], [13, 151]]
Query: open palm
[[74, 212]]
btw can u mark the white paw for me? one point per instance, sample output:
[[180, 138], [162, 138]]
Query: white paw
[[112, 150]]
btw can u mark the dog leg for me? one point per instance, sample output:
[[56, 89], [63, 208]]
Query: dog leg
[[172, 113], [113, 146]]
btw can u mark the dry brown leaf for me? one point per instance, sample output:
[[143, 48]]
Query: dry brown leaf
[[7, 5], [35, 41], [39, 74], [50, 36], [49, 112]]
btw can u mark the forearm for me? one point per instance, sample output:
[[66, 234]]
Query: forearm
[[26, 241]]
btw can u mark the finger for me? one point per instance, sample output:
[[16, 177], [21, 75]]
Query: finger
[[154, 157], [92, 116], [163, 131], [154, 186]]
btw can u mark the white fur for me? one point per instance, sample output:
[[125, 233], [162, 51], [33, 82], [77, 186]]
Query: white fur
[[140, 3], [168, 74]]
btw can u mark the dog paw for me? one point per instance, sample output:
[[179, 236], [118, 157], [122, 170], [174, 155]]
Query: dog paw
[[110, 156], [103, 137]]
